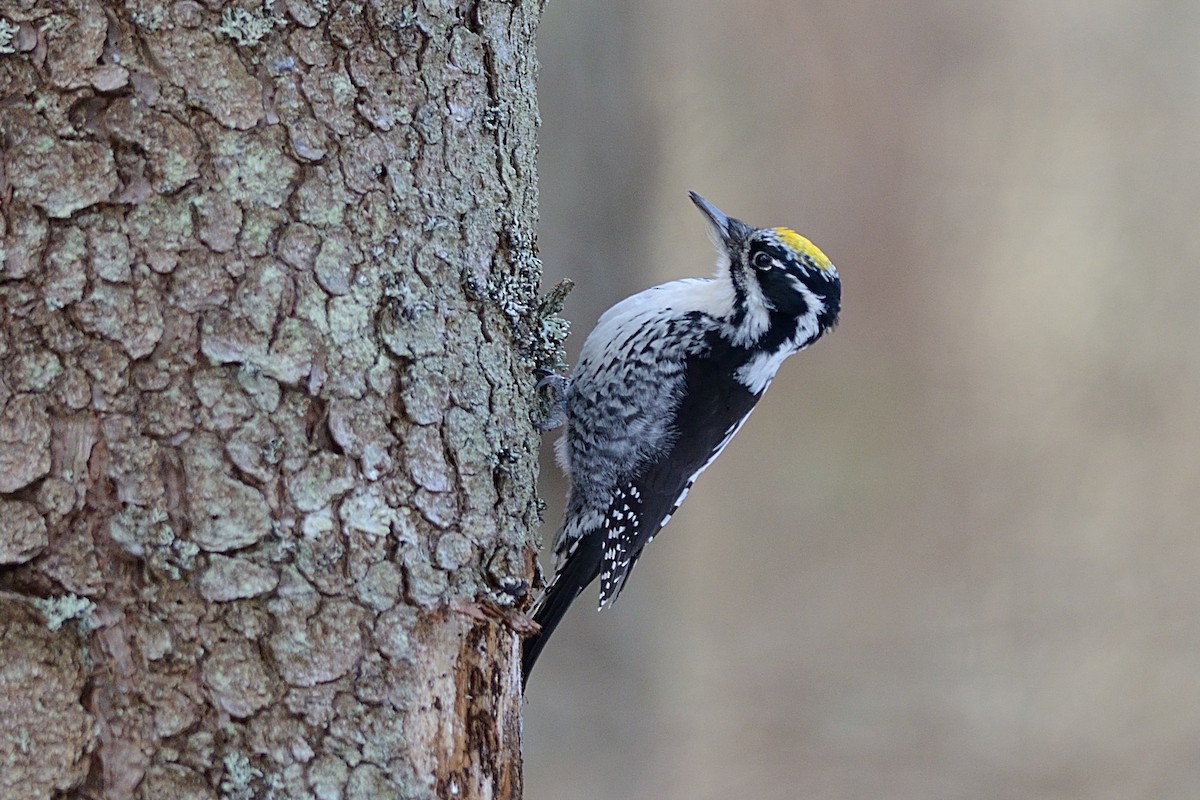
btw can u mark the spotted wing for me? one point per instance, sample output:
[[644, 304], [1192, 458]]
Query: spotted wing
[[713, 409]]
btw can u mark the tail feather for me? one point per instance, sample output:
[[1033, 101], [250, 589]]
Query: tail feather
[[581, 567]]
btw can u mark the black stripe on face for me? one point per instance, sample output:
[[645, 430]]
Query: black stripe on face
[[737, 275], [736, 236], [776, 270], [779, 287], [776, 266], [831, 293]]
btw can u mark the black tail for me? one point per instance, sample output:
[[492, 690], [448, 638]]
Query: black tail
[[581, 568]]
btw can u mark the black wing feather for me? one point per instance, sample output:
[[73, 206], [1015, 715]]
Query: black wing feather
[[714, 406]]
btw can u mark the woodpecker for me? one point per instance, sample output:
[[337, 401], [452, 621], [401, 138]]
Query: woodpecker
[[663, 382]]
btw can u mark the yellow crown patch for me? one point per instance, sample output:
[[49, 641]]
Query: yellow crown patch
[[804, 247]]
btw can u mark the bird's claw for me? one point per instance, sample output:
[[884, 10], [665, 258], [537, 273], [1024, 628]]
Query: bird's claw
[[554, 388]]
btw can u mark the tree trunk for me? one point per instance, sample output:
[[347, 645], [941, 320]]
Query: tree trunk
[[267, 467]]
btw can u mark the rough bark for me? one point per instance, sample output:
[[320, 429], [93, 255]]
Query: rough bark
[[268, 319]]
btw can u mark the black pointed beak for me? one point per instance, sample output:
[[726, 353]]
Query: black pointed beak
[[715, 216], [725, 231]]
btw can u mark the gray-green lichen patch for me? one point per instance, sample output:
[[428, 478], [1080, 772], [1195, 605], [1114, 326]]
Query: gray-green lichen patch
[[55, 499], [259, 224], [62, 609], [73, 390], [320, 553], [264, 391], [135, 463], [544, 331], [35, 371], [241, 777], [331, 95], [411, 328], [22, 532], [248, 27], [350, 327], [8, 32], [174, 713], [474, 454], [547, 342], [390, 633], [369, 781], [293, 351], [108, 367], [60, 176], [196, 286]]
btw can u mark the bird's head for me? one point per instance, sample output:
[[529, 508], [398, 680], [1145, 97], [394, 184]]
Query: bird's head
[[774, 271]]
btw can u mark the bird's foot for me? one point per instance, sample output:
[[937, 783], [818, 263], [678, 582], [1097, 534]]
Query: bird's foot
[[552, 388]]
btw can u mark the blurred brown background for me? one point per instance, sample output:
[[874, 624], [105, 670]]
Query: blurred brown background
[[955, 552]]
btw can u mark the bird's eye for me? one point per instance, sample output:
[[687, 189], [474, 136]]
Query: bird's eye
[[762, 261]]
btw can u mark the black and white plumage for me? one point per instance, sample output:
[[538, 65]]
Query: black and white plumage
[[664, 381]]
